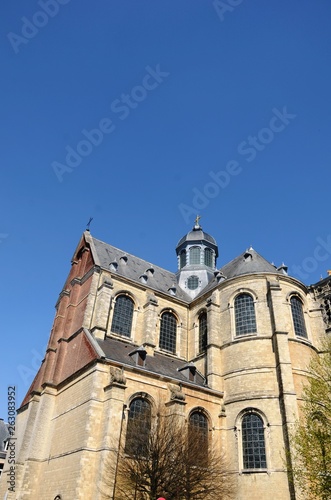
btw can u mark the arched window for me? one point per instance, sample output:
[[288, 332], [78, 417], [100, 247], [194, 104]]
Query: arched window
[[195, 255], [122, 317], [298, 317], [244, 314], [168, 331], [138, 427], [198, 437], [202, 332], [254, 456], [209, 257], [182, 259]]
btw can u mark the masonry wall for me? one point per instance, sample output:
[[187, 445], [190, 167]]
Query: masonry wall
[[263, 372], [70, 430]]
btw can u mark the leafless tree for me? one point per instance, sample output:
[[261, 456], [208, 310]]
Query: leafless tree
[[164, 458]]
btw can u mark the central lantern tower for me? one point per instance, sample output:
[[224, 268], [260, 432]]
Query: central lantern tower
[[196, 252]]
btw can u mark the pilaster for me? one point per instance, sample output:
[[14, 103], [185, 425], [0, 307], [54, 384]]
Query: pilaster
[[213, 371]]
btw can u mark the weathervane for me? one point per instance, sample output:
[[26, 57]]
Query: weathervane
[[198, 217], [88, 224]]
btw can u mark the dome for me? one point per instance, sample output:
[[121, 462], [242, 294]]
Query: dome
[[197, 235]]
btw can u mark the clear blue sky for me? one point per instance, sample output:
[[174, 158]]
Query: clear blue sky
[[143, 114]]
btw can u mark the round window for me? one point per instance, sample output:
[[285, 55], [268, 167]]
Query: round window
[[193, 282]]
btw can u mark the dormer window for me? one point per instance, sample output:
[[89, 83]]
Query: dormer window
[[139, 356], [149, 271], [248, 257], [172, 290], [189, 371]]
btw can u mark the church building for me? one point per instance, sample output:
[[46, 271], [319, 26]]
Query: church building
[[225, 348]]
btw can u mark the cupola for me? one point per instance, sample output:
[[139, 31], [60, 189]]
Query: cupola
[[196, 253]]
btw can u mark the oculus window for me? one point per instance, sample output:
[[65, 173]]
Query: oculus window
[[193, 282]]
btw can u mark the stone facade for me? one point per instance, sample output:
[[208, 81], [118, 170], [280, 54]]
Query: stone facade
[[76, 411]]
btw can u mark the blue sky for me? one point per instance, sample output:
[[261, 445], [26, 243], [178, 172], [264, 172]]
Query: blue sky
[[142, 115]]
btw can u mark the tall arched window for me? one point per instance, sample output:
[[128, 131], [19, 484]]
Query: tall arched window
[[244, 314], [122, 317], [198, 437], [138, 427], [202, 332], [253, 444], [182, 259], [298, 317], [209, 257], [168, 331], [195, 255]]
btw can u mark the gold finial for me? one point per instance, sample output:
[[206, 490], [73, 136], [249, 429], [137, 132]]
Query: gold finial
[[329, 272], [198, 217]]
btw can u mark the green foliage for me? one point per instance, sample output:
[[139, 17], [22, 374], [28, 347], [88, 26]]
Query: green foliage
[[311, 440]]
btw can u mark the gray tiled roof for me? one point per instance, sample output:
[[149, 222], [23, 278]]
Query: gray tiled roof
[[129, 266], [162, 365], [4, 434], [134, 268], [197, 235], [243, 264], [246, 263]]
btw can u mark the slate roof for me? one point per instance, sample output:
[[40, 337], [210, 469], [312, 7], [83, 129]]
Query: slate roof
[[4, 435], [162, 365], [197, 234], [129, 266], [247, 263], [156, 278]]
